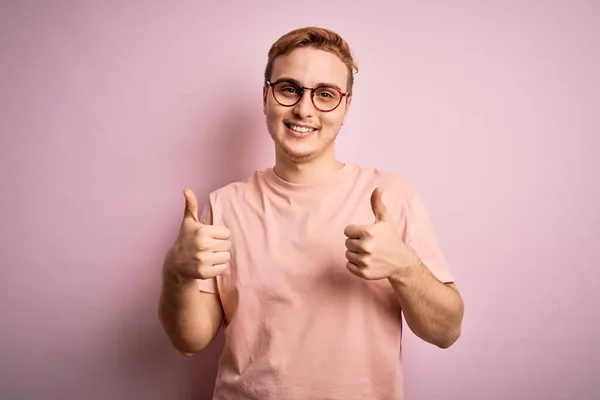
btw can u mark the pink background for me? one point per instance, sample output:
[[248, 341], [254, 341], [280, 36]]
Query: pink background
[[109, 109]]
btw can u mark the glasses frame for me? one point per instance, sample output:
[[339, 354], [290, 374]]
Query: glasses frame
[[306, 89]]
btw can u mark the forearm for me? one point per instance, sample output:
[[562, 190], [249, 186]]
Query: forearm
[[190, 318], [432, 309]]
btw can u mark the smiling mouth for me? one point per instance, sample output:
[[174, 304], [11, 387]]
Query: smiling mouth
[[300, 128]]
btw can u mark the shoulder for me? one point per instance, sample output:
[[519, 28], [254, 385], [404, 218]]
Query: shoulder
[[238, 190], [393, 184], [401, 197]]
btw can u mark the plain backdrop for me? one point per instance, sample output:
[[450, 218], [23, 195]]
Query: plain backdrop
[[109, 109]]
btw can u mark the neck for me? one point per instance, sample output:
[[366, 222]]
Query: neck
[[306, 172]]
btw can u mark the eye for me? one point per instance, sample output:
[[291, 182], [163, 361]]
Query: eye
[[327, 93], [288, 89]]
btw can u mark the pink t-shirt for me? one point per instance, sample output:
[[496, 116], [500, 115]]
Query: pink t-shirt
[[298, 324]]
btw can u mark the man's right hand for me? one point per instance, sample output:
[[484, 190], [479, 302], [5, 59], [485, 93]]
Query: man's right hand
[[200, 251]]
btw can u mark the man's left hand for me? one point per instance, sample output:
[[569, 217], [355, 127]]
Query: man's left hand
[[377, 251]]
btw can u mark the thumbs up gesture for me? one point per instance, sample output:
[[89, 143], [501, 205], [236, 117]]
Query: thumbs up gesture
[[376, 251], [200, 251]]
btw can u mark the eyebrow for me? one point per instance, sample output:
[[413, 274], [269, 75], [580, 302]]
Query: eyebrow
[[326, 84]]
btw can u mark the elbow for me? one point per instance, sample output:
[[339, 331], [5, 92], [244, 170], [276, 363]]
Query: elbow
[[186, 353], [187, 348], [453, 331], [186, 345], [448, 340], [445, 344]]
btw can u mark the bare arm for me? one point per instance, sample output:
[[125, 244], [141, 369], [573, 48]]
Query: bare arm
[[190, 318], [433, 310]]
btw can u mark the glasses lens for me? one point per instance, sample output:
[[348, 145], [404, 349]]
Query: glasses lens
[[287, 93], [326, 98]]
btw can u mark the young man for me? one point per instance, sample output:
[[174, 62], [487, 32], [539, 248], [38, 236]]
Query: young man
[[310, 264]]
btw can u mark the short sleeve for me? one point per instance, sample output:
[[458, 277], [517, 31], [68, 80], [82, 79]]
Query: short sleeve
[[205, 217], [422, 239]]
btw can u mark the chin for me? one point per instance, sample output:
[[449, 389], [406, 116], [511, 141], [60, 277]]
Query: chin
[[297, 153], [298, 148]]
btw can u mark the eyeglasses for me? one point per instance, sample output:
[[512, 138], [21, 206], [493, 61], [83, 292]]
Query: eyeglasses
[[325, 98]]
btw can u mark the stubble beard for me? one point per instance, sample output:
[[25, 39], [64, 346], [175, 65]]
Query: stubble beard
[[286, 146]]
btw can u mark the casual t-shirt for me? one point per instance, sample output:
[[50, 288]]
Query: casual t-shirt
[[298, 325]]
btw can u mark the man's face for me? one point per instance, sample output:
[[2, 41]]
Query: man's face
[[287, 125]]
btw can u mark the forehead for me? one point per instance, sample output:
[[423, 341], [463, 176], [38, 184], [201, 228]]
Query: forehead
[[311, 66]]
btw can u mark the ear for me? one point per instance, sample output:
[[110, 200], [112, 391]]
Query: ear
[[348, 103], [265, 93]]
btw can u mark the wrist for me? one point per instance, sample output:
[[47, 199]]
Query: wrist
[[172, 278], [408, 274]]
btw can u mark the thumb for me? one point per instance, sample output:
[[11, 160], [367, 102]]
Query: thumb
[[379, 209], [191, 206]]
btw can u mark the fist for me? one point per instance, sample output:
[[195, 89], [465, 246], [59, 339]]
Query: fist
[[201, 251], [376, 251]]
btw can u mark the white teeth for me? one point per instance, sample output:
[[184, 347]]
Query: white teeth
[[301, 128]]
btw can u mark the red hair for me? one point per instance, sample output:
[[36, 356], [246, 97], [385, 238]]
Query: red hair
[[318, 38]]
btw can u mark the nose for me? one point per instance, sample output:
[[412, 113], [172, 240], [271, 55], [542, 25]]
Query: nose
[[304, 108]]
